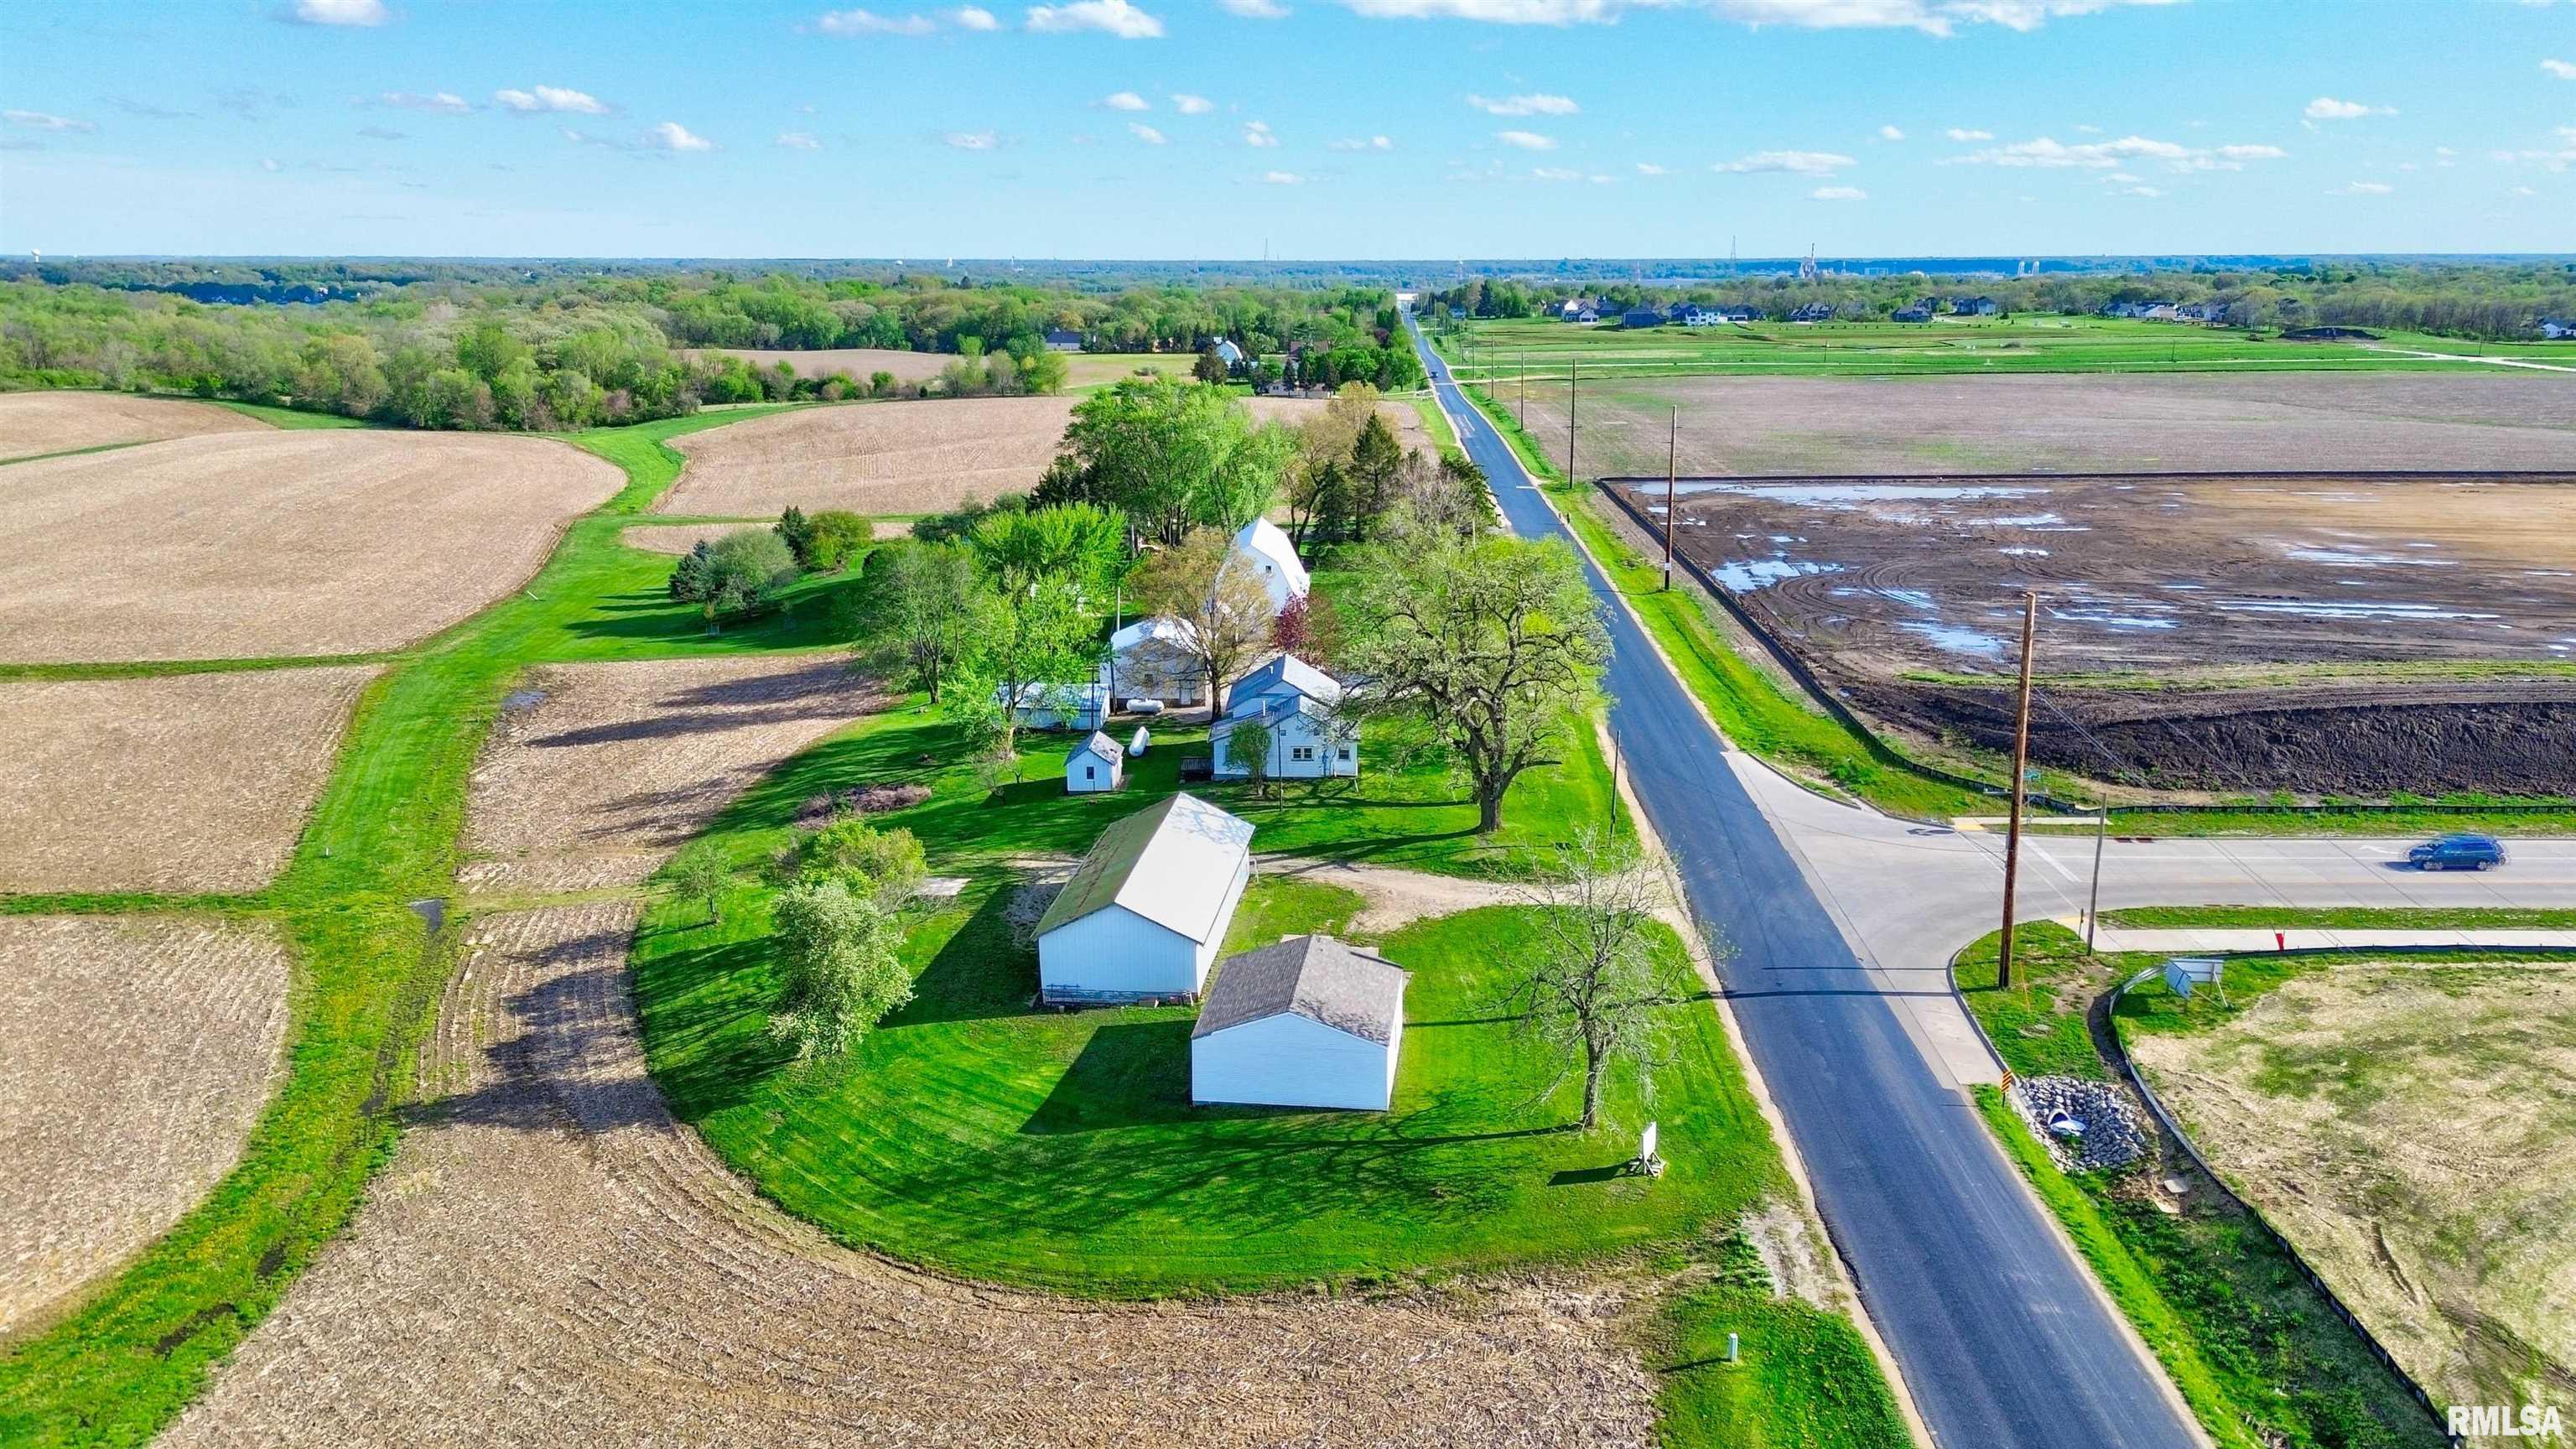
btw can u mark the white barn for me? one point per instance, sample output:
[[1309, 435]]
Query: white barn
[[1154, 658], [1261, 546], [1095, 765], [1148, 908], [1307, 1022]]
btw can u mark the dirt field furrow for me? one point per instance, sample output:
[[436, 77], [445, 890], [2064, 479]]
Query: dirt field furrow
[[597, 771], [141, 1051], [36, 423], [268, 543], [183, 783]]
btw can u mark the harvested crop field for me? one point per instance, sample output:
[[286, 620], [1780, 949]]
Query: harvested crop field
[[36, 423], [2409, 1128], [901, 457], [251, 545], [179, 784], [1894, 589], [855, 363], [2185, 422], [597, 771], [140, 1053], [675, 539]]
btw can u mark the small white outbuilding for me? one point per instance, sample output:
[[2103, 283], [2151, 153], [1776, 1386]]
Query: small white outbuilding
[[1095, 765], [1308, 1022], [1148, 908]]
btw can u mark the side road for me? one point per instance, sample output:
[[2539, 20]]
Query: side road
[[2001, 1336]]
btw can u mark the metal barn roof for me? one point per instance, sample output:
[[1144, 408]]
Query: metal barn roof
[[1170, 863]]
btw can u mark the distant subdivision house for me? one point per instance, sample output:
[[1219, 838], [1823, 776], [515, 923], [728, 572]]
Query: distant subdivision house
[[1148, 908], [1096, 765], [1813, 312], [1911, 314], [1305, 1022], [2557, 328], [1060, 340], [1641, 317]]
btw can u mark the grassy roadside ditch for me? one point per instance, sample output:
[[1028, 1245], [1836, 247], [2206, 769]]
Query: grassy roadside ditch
[[385, 831], [2254, 1348], [1763, 716], [2346, 918]]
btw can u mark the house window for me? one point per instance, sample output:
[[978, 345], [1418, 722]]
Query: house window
[[1302, 753], [1346, 752]]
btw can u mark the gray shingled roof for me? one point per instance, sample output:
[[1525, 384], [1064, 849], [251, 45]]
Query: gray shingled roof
[[1169, 863], [1320, 978]]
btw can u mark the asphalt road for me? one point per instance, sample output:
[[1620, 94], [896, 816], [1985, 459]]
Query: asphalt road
[[2001, 1337]]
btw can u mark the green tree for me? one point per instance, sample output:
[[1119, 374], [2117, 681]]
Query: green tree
[[700, 872], [1494, 639], [738, 572], [1376, 457], [1210, 367], [1175, 454], [1044, 567], [838, 970], [1044, 371], [795, 531], [927, 612], [1227, 610], [885, 866], [1248, 743]]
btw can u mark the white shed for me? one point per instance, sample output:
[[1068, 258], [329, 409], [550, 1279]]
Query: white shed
[[1095, 765], [1148, 908], [1308, 1022], [1056, 706], [1260, 545]]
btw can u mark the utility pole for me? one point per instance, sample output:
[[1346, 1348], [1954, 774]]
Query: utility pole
[[2020, 768], [2093, 907], [1572, 367], [1524, 392], [1672, 470]]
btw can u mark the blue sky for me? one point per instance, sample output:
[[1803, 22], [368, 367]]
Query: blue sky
[[1321, 128]]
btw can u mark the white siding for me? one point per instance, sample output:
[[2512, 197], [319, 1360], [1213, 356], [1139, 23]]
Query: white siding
[[1325, 754], [1086, 773], [1115, 954], [1205, 955], [1290, 1061]]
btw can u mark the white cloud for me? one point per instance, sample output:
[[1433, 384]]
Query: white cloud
[[1649, 168], [672, 136], [973, 17], [1526, 140], [1890, 133], [342, 12], [443, 102], [2048, 153], [799, 141], [2524, 191], [972, 140], [2149, 191], [1796, 163], [1530, 105], [1125, 101], [381, 133], [1936, 17], [2564, 70], [2327, 108], [550, 98], [1364, 143], [1838, 193], [269, 163], [1962, 133], [1111, 17], [868, 22], [1281, 178], [1190, 105], [1145, 133], [1255, 9], [2364, 188], [44, 121], [1554, 173], [1258, 133]]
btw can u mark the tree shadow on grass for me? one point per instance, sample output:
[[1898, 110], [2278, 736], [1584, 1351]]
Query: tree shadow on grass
[[708, 1025], [978, 973]]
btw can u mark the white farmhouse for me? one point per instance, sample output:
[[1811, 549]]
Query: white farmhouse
[[1155, 659], [1095, 765], [1146, 911], [1261, 546], [1285, 676], [1308, 1022], [1308, 741]]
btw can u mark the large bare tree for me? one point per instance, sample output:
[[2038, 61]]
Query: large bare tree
[[1226, 615], [1586, 980], [1494, 639]]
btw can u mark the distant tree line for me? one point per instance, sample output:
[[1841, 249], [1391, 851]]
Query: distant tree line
[[2494, 301]]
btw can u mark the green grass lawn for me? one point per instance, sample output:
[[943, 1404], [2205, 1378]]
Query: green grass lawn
[[292, 418], [2255, 1350], [2332, 918], [1060, 1150]]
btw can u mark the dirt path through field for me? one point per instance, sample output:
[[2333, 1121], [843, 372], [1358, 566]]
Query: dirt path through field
[[553, 1259], [140, 1051]]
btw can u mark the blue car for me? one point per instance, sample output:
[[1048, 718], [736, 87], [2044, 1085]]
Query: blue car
[[2458, 852]]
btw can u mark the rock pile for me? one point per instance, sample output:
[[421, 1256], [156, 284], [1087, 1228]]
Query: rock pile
[[2113, 1135]]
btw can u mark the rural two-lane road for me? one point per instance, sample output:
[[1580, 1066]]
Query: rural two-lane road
[[2003, 1342]]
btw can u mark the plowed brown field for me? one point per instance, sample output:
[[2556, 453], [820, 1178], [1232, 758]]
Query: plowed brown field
[[245, 545], [901, 457], [597, 771], [35, 423], [139, 1053], [185, 783]]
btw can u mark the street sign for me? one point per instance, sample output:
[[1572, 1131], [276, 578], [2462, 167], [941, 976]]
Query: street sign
[[2182, 973]]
